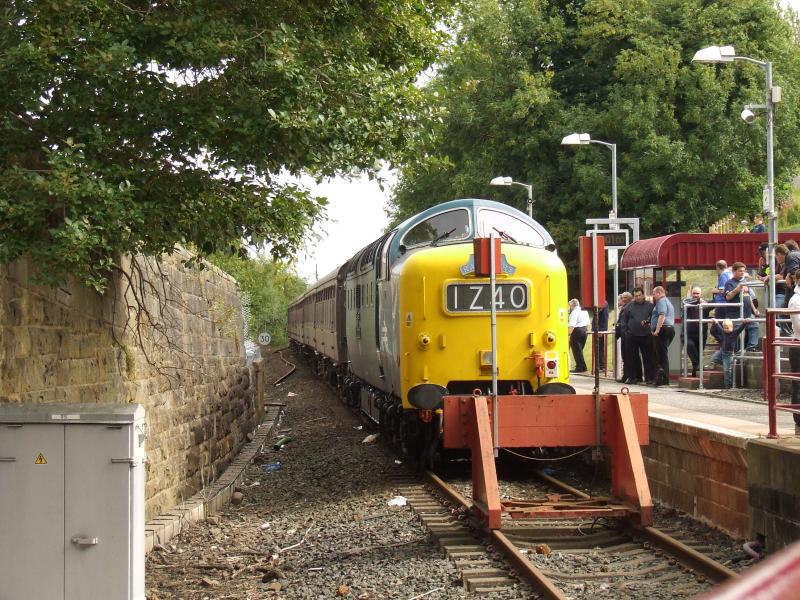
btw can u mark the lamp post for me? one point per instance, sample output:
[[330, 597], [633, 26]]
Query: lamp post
[[584, 139], [726, 54], [502, 180]]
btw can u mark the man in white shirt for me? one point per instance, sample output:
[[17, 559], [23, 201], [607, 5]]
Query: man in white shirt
[[578, 322], [794, 353]]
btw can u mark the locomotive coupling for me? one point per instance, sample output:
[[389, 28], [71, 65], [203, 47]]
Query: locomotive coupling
[[424, 340]]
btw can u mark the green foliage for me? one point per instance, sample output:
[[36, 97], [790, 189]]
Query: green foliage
[[524, 73], [268, 287], [132, 126]]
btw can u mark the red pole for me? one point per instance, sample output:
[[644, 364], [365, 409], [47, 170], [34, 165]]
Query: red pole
[[769, 374]]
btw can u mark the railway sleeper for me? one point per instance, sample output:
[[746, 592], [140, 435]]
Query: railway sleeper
[[607, 574], [454, 551], [488, 584], [577, 541]]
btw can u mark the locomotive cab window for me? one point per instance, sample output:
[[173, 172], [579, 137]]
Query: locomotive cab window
[[509, 228], [442, 228]]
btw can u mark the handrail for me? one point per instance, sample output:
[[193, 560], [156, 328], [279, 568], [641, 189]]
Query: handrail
[[700, 350], [604, 340], [772, 372]]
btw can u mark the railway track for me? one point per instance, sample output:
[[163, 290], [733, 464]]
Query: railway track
[[559, 560]]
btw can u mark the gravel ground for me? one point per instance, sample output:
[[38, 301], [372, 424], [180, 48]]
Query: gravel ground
[[319, 527]]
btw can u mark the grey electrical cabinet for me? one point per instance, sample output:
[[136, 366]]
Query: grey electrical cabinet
[[72, 501]]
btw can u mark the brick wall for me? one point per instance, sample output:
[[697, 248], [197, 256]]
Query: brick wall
[[184, 361], [701, 472]]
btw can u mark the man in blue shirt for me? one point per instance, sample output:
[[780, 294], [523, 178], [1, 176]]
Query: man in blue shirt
[[759, 225], [662, 324], [723, 275]]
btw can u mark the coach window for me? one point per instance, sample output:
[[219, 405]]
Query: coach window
[[442, 228]]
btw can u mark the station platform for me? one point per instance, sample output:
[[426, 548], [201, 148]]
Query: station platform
[[709, 457]]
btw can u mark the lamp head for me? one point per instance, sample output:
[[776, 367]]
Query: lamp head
[[576, 139], [748, 116], [715, 54], [501, 181]]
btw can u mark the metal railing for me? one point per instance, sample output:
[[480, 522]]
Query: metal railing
[[740, 356], [604, 341], [772, 373]]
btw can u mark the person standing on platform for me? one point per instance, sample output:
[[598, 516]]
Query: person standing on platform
[[621, 334], [789, 261], [577, 324], [734, 288], [794, 353], [641, 337], [662, 322], [723, 275], [694, 330], [727, 349], [758, 226]]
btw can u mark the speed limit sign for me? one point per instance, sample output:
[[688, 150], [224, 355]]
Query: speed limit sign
[[264, 338]]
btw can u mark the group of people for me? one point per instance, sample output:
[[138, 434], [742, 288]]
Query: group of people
[[645, 329]]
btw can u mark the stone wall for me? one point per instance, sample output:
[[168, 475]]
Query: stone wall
[[163, 335]]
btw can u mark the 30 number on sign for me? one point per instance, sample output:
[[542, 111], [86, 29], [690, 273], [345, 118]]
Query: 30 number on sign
[[264, 338]]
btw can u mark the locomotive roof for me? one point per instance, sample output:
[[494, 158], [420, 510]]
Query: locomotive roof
[[473, 205], [366, 254]]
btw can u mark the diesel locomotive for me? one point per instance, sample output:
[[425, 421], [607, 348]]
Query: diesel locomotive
[[406, 320]]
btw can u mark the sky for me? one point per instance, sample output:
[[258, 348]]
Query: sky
[[356, 217]]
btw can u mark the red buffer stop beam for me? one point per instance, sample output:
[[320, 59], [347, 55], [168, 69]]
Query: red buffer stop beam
[[554, 421]]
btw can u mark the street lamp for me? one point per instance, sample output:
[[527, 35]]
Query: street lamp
[[726, 54], [508, 181], [584, 139]]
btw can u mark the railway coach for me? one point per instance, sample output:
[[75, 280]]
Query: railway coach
[[406, 320]]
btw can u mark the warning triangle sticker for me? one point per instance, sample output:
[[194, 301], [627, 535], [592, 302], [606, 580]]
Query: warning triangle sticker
[[40, 460]]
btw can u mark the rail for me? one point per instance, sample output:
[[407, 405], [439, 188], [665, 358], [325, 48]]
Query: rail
[[772, 373]]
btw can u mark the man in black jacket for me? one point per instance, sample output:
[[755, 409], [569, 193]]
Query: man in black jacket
[[621, 334], [637, 321]]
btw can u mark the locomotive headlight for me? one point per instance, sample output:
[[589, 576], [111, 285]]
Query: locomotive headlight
[[424, 340], [549, 338]]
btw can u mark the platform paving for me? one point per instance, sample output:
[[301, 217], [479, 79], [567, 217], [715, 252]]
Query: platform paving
[[736, 415]]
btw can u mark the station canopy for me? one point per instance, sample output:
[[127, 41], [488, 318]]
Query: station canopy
[[696, 250]]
